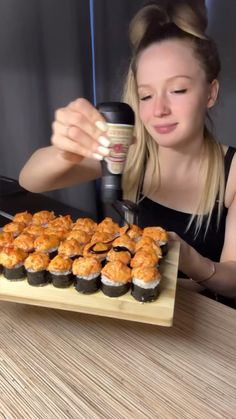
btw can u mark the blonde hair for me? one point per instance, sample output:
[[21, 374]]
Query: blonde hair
[[154, 24]]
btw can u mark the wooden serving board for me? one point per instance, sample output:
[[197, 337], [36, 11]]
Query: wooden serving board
[[159, 312]]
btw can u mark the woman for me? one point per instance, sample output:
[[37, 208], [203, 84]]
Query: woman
[[182, 178]]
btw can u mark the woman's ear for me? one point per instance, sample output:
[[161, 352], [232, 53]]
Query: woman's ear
[[213, 93]]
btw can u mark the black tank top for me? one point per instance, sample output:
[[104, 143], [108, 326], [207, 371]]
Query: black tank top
[[210, 245]]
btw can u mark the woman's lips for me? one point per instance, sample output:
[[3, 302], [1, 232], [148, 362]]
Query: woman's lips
[[165, 129]]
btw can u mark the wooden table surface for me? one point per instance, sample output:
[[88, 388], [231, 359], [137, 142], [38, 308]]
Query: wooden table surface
[[59, 364]]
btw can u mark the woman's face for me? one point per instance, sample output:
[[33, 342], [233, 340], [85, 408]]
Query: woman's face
[[173, 93]]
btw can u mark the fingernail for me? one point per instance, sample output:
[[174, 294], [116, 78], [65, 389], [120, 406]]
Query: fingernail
[[97, 156], [104, 141], [101, 125], [103, 150]]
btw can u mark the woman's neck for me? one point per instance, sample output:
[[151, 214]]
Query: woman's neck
[[182, 157]]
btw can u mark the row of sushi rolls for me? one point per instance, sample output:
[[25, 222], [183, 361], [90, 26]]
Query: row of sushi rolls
[[45, 248]]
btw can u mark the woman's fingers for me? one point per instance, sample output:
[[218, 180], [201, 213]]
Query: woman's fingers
[[80, 129], [94, 150], [82, 114]]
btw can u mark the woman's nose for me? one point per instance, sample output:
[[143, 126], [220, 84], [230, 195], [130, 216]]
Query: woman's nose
[[161, 106]]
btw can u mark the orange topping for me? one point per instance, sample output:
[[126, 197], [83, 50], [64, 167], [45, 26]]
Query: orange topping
[[85, 224], [108, 226], [34, 230], [102, 237], [157, 233], [81, 236], [146, 274], [10, 257], [70, 247], [86, 266], [6, 238], [45, 242], [117, 271], [25, 242], [124, 241], [15, 228], [124, 256], [60, 264], [23, 217], [42, 217], [64, 221], [37, 261], [133, 231], [146, 243], [144, 258]]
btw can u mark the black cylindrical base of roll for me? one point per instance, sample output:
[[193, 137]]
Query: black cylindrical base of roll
[[37, 279], [14, 274], [62, 281], [143, 295], [115, 291], [87, 286]]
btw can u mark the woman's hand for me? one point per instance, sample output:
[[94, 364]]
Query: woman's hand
[[183, 252], [79, 131], [191, 263]]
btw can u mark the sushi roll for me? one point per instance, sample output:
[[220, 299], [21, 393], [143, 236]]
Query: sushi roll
[[115, 279], [42, 218], [70, 248], [36, 268], [85, 224], [133, 231], [159, 235], [87, 274], [124, 242], [12, 259], [14, 228], [47, 244], [34, 230], [23, 217], [144, 258], [60, 271], [109, 226], [6, 239], [97, 251], [61, 222], [148, 243], [60, 233], [102, 237], [117, 254], [82, 237], [25, 242], [145, 284]]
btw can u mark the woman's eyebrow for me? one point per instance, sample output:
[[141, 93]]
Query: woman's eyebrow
[[168, 79]]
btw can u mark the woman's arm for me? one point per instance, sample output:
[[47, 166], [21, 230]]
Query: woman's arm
[[79, 143], [47, 169], [222, 275]]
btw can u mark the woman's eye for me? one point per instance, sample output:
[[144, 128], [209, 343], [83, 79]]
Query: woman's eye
[[179, 91], [145, 97]]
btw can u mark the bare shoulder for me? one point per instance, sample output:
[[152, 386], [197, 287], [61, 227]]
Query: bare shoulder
[[230, 192]]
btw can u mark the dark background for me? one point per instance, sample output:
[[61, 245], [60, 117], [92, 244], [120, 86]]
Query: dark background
[[45, 62]]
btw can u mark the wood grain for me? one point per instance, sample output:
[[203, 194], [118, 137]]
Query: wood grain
[[159, 312], [67, 365]]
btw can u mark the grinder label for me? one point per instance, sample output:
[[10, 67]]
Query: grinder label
[[121, 137]]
